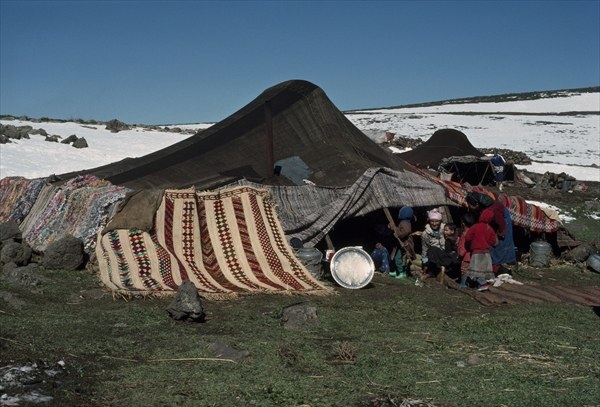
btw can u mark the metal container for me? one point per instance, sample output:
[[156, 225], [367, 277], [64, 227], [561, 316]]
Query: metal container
[[593, 262], [352, 267], [540, 253], [311, 258]]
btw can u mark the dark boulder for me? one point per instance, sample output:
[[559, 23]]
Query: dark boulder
[[116, 126], [80, 143], [18, 253], [72, 138], [10, 231], [66, 253], [41, 132], [28, 275], [187, 305], [580, 253]]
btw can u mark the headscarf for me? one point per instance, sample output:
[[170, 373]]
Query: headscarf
[[486, 217], [434, 215], [406, 213]]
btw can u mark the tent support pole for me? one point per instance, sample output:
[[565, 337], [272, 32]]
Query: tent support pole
[[329, 242], [484, 174], [269, 137]]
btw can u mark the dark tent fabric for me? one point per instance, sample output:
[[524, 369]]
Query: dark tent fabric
[[442, 144], [450, 152], [473, 170], [300, 119]]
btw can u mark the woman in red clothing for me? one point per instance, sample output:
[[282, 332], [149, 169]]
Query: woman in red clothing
[[479, 239]]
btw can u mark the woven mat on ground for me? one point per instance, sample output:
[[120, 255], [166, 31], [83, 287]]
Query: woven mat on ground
[[512, 294], [17, 196], [226, 242], [81, 207]]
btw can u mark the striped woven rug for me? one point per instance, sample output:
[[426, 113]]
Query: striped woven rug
[[226, 242], [511, 294]]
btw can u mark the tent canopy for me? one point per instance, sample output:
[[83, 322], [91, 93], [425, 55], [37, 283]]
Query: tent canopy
[[294, 119]]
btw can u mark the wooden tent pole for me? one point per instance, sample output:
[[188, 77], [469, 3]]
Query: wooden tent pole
[[329, 242], [391, 220], [484, 173], [269, 138]]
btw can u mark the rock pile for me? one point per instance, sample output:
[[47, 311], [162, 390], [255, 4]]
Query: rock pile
[[19, 263], [516, 157], [116, 126], [9, 132]]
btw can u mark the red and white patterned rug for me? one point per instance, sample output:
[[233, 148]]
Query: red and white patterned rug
[[226, 242]]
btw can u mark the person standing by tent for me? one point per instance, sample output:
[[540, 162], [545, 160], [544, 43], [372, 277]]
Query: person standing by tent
[[478, 240], [405, 251], [504, 252], [498, 162]]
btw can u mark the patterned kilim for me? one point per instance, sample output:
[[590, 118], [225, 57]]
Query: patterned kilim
[[524, 214], [529, 215], [226, 242], [454, 190], [17, 196], [81, 207]]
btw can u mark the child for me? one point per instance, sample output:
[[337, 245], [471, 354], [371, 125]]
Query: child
[[381, 258], [442, 260], [478, 240], [432, 242]]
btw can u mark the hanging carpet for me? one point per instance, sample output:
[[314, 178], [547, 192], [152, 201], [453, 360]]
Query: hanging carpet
[[226, 242], [80, 207], [17, 196]]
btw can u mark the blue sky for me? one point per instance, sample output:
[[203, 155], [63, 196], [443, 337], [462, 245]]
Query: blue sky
[[175, 62]]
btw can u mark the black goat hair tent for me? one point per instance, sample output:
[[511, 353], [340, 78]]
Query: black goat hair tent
[[442, 144], [294, 119]]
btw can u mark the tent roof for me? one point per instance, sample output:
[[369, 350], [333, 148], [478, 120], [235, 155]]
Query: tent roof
[[305, 125], [442, 144]]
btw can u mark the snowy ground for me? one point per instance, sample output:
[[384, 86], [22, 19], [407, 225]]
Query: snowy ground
[[557, 142]]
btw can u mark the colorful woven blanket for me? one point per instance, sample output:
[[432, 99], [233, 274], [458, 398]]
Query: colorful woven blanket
[[226, 242], [81, 207], [17, 196], [524, 214]]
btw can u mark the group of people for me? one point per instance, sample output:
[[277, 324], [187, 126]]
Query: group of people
[[473, 252]]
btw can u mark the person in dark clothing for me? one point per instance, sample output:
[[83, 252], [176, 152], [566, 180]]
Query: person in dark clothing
[[405, 251]]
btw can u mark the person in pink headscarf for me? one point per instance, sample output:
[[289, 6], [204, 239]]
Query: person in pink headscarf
[[432, 236]]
